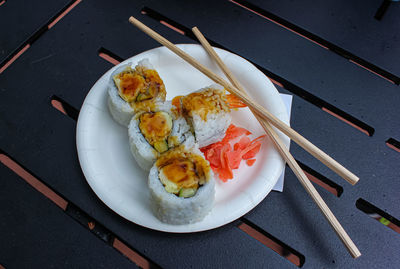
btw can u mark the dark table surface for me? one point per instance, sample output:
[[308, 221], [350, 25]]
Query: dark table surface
[[340, 61]]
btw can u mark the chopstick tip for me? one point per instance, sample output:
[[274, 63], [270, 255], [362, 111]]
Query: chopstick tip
[[132, 19], [354, 180], [357, 254]]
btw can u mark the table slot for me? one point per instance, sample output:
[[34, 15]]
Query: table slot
[[62, 13], [32, 180], [65, 108], [109, 56], [321, 180], [393, 144], [272, 242], [378, 214], [108, 237], [13, 57], [382, 9]]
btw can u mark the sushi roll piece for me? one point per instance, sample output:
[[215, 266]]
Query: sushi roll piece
[[182, 186], [154, 132], [207, 112], [132, 90]]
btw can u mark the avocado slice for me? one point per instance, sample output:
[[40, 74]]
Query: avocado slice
[[187, 192], [161, 146], [169, 186], [142, 97]]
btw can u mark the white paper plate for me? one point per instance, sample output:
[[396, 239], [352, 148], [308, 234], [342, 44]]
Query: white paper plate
[[117, 180]]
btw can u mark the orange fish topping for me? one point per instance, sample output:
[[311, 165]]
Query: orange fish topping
[[140, 86], [204, 102], [185, 169], [182, 173]]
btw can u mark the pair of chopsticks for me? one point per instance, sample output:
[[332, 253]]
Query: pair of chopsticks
[[266, 119]]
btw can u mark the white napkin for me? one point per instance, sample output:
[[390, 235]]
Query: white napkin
[[287, 100]]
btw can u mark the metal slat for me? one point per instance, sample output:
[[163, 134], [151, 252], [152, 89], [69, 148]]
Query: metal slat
[[37, 134]]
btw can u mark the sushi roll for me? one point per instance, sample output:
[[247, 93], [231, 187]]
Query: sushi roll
[[154, 132], [182, 186], [207, 112], [132, 90]]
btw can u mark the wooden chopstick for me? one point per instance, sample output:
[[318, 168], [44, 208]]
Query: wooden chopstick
[[262, 112], [351, 247]]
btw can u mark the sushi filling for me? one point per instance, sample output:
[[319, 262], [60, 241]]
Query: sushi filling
[[206, 101], [156, 128], [182, 173], [139, 85]]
